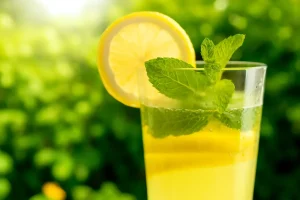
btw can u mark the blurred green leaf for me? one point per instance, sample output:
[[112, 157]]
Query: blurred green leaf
[[5, 188], [97, 130], [17, 118], [293, 113], [49, 115], [63, 167], [83, 108], [6, 163], [82, 192], [44, 157], [39, 197], [109, 191], [88, 157], [81, 172]]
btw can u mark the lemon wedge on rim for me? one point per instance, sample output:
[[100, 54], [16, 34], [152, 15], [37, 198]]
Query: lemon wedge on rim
[[130, 41]]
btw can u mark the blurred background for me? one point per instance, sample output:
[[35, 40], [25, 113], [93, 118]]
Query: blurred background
[[61, 133]]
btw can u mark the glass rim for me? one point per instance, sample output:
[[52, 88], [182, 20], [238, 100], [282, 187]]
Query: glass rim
[[235, 66]]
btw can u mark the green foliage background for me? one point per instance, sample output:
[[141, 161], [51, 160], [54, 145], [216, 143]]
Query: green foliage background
[[57, 122]]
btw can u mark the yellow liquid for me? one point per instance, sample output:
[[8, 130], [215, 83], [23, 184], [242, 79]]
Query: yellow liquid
[[216, 163]]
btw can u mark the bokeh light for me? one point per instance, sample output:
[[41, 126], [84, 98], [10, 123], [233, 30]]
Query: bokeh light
[[67, 8]]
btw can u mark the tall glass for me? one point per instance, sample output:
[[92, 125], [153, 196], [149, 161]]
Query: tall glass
[[216, 162]]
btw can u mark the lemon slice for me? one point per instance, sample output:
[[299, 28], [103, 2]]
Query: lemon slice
[[129, 42]]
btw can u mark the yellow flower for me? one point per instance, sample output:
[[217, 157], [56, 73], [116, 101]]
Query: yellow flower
[[53, 191]]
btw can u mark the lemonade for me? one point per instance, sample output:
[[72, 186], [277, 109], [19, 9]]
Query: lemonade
[[200, 119], [214, 163]]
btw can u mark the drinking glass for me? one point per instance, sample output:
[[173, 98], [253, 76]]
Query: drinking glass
[[189, 159]]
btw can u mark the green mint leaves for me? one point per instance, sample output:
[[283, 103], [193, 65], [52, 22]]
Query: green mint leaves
[[207, 95], [164, 122], [217, 56], [166, 76], [222, 52], [222, 93]]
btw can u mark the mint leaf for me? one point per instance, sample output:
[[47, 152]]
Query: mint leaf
[[222, 94], [242, 118], [170, 77], [213, 72], [225, 49], [207, 50], [163, 122], [216, 98], [231, 118]]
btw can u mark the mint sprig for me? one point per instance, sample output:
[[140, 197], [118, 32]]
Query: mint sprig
[[217, 56], [204, 91]]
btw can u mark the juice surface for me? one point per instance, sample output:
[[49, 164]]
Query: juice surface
[[215, 163]]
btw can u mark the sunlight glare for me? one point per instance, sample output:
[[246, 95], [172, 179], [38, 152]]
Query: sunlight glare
[[64, 7]]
